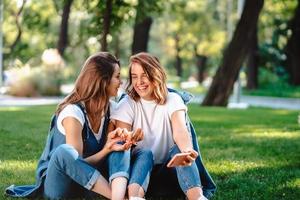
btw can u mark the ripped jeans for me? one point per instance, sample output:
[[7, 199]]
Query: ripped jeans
[[156, 180]]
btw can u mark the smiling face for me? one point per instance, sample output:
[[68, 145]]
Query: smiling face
[[141, 83], [147, 78], [115, 82]]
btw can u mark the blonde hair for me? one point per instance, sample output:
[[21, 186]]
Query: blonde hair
[[155, 73], [91, 86]]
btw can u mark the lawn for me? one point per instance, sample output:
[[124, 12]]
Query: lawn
[[269, 90], [251, 154]]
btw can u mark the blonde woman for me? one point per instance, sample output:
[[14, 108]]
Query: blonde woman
[[73, 161], [161, 115]]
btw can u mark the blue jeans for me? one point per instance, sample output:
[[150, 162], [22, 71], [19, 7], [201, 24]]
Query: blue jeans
[[173, 182], [69, 175], [162, 181], [188, 177], [136, 162]]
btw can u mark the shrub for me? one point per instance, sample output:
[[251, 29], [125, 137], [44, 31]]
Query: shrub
[[45, 79]]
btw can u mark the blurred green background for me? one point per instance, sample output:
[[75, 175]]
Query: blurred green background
[[46, 42]]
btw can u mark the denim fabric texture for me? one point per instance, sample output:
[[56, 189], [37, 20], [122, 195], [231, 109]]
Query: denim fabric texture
[[67, 173], [118, 160], [61, 172], [141, 166], [188, 177], [136, 162]]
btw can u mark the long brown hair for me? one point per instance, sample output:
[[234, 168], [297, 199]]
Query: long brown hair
[[155, 73], [91, 87]]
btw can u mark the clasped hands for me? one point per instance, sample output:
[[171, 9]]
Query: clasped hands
[[121, 139]]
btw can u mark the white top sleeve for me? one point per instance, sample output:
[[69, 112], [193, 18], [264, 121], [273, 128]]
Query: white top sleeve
[[175, 103], [124, 111], [70, 110], [113, 107]]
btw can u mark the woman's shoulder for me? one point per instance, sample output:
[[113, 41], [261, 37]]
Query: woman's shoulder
[[174, 97], [112, 105], [127, 99], [72, 110]]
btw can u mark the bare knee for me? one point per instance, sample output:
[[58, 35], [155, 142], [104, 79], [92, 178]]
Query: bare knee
[[195, 193]]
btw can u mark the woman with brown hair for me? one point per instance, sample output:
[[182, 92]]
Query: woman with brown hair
[[73, 163]]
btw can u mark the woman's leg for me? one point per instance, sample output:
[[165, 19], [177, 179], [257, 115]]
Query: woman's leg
[[68, 175], [119, 165], [142, 164], [164, 183], [188, 178]]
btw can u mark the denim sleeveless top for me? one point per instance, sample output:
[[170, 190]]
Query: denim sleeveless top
[[54, 139]]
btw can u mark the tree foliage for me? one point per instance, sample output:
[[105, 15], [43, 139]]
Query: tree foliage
[[189, 36], [234, 55]]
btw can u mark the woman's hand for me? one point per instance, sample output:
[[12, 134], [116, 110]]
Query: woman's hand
[[129, 137], [132, 138], [114, 141], [137, 136], [190, 158]]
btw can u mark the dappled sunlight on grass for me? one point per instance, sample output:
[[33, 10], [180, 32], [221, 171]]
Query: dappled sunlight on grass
[[271, 134], [18, 164], [262, 182], [294, 183], [228, 166], [11, 109], [17, 172], [251, 154]]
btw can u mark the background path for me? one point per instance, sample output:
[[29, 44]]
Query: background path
[[257, 101]]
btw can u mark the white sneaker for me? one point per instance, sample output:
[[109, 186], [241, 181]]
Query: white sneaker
[[136, 198]]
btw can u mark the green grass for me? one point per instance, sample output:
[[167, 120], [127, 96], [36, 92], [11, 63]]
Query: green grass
[[251, 154], [272, 90], [275, 90]]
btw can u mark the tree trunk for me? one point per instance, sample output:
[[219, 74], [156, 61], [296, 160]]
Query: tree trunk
[[117, 46], [19, 27], [63, 35], [234, 55], [178, 62], [106, 25], [201, 66], [293, 49], [252, 64], [141, 34]]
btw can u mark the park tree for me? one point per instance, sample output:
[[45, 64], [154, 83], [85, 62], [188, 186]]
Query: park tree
[[17, 16], [252, 63], [234, 55], [210, 36], [142, 25], [274, 33], [27, 31], [141, 29], [193, 39], [63, 33], [293, 48], [178, 60], [107, 17], [106, 23]]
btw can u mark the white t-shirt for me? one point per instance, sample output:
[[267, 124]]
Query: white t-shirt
[[73, 110], [155, 121]]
